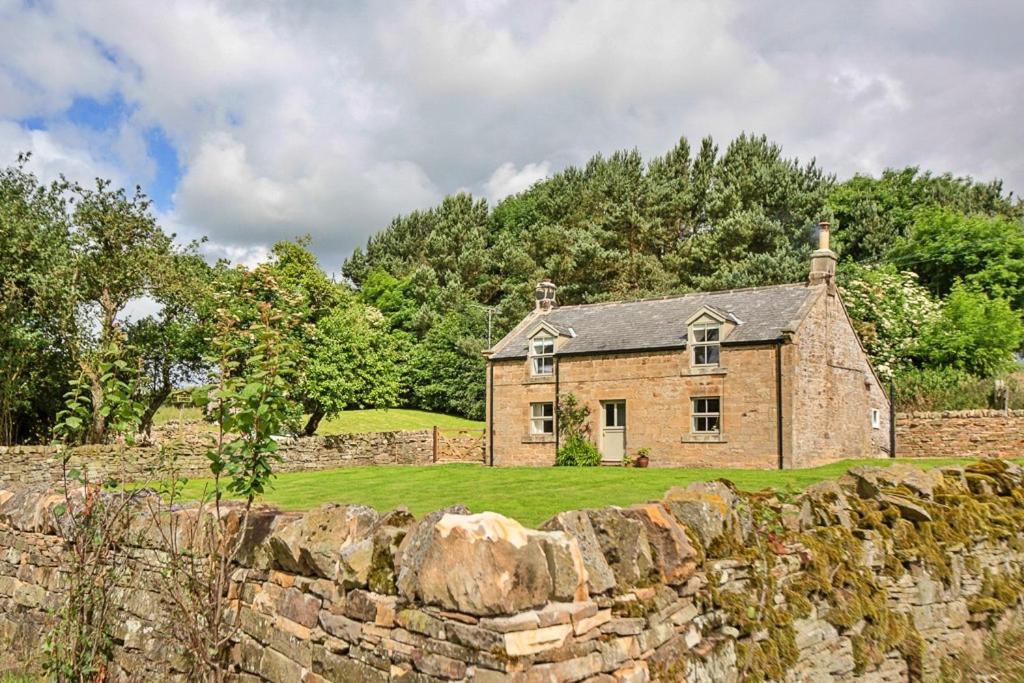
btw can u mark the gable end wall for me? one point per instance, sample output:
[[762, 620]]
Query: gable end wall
[[833, 390]]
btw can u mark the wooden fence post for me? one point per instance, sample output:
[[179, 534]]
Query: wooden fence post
[[437, 439]]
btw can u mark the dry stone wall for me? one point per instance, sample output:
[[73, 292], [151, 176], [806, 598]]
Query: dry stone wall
[[960, 433], [855, 580], [38, 464]]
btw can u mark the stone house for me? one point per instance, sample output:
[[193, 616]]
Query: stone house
[[766, 377]]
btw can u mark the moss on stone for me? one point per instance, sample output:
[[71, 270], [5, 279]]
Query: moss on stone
[[847, 592]]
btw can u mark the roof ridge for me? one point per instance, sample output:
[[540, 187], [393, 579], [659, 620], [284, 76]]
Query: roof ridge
[[668, 297]]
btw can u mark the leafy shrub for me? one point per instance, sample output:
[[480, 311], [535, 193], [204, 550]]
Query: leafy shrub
[[975, 332], [578, 452], [573, 418], [947, 388]]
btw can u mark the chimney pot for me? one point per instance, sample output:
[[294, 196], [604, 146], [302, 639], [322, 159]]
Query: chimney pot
[[823, 235], [823, 261], [545, 295]]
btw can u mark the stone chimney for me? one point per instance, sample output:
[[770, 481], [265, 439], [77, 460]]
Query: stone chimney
[[823, 260], [545, 295]]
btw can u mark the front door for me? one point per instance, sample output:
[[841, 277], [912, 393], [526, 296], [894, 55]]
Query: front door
[[613, 431]]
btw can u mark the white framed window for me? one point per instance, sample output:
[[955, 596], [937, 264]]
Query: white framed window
[[542, 418], [707, 415], [706, 343], [542, 351], [876, 418]]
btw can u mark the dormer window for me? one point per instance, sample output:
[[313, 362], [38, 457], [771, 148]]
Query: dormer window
[[706, 342], [542, 352]]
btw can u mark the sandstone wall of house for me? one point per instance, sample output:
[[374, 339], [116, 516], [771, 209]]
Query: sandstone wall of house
[[39, 464], [960, 433], [657, 388], [833, 391], [704, 585]]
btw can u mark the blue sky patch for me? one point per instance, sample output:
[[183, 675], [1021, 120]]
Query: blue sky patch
[[168, 170], [96, 114], [100, 115]]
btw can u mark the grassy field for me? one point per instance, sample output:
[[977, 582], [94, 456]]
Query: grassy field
[[529, 494], [352, 421], [356, 421]]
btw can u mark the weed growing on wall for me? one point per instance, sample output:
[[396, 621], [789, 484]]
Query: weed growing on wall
[[252, 406], [94, 521]]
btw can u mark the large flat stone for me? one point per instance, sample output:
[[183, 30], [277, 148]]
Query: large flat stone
[[489, 565]]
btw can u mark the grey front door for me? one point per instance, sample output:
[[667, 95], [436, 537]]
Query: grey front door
[[613, 431]]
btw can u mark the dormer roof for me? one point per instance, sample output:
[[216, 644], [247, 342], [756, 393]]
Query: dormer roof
[[546, 327], [709, 311]]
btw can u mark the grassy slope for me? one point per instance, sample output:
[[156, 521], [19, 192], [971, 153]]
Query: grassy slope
[[355, 421], [530, 495]]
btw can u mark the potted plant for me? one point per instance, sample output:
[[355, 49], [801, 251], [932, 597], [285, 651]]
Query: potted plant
[[643, 457]]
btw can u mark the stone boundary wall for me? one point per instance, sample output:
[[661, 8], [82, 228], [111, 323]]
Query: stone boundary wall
[[960, 433], [38, 464], [853, 580]]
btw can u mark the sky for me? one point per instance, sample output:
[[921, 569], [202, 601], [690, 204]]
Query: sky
[[252, 121]]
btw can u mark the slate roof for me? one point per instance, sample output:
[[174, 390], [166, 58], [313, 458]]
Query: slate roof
[[762, 313]]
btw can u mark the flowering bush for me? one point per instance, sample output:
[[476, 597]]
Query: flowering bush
[[890, 310]]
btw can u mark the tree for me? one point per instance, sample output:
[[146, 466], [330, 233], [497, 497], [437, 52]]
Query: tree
[[355, 362], [975, 333], [944, 246], [448, 365], [116, 248], [873, 214], [352, 357], [170, 346], [252, 401], [616, 227], [34, 279]]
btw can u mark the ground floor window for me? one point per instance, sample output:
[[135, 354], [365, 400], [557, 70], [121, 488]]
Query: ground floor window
[[707, 415], [542, 418], [876, 418]]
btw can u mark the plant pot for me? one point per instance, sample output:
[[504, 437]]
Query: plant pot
[[642, 461]]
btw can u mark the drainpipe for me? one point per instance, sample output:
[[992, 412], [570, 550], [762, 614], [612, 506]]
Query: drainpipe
[[892, 419], [557, 367], [490, 405], [778, 399]]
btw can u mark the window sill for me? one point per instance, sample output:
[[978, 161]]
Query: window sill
[[702, 370], [703, 438], [538, 438], [540, 379]]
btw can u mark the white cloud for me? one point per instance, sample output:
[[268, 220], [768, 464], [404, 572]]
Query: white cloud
[[52, 156], [331, 118], [507, 179]]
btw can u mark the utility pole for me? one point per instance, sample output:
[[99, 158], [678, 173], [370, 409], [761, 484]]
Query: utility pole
[[490, 314]]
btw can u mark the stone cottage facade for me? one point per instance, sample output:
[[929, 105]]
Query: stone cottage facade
[[767, 377]]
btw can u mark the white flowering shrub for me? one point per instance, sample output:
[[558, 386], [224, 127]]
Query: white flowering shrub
[[890, 310]]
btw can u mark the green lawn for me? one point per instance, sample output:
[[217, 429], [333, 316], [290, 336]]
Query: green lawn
[[529, 494], [352, 421]]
